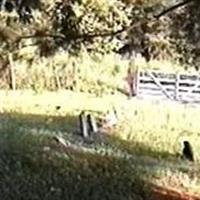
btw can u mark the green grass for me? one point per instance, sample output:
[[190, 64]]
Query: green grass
[[143, 150], [33, 166]]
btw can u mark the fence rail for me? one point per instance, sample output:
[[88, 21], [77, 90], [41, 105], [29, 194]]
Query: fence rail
[[174, 86]]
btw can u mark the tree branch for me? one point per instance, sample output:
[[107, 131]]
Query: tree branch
[[173, 8], [8, 34]]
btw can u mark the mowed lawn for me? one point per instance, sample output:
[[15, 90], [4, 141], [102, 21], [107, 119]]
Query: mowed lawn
[[143, 150]]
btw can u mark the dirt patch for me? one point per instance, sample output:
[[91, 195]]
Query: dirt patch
[[161, 193]]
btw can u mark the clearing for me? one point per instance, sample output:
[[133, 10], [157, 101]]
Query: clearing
[[139, 156]]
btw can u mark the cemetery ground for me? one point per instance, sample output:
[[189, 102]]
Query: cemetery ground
[[138, 159]]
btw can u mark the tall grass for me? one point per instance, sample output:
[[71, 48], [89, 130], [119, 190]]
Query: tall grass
[[89, 72]]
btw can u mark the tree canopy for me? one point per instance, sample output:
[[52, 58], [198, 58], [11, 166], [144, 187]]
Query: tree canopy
[[156, 29]]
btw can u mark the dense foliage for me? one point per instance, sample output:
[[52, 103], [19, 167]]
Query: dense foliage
[[123, 27]]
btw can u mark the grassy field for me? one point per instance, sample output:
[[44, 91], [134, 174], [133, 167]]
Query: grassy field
[[144, 148]]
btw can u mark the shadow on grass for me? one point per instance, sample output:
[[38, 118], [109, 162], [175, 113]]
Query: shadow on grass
[[45, 122], [75, 176], [69, 125], [33, 166], [31, 170], [141, 149]]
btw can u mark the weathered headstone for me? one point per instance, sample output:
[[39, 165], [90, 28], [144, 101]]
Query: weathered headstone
[[187, 151], [83, 125], [92, 124]]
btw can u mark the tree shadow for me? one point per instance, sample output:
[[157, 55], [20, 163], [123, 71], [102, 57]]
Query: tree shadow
[[49, 122], [34, 166], [68, 128]]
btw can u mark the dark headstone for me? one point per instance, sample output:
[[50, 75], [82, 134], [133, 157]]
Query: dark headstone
[[187, 151], [92, 124], [83, 125]]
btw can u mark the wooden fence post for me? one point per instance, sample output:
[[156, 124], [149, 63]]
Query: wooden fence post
[[76, 80], [12, 72], [58, 84], [177, 86], [137, 81]]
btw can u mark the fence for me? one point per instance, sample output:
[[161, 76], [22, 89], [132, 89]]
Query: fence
[[13, 76], [174, 86]]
